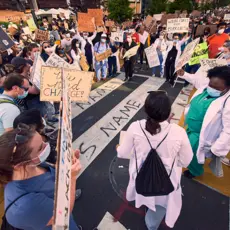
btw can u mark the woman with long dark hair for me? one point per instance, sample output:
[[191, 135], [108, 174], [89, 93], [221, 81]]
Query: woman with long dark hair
[[76, 53], [172, 146]]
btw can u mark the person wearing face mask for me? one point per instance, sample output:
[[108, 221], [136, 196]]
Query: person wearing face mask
[[76, 53], [47, 50], [173, 52], [14, 87], [217, 40], [101, 67], [66, 43], [29, 182], [129, 61], [161, 47], [207, 119]]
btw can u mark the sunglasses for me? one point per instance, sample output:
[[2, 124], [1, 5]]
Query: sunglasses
[[22, 87], [46, 47]]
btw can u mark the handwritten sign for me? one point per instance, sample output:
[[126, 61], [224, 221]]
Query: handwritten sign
[[79, 84], [26, 30], [13, 16], [64, 162], [31, 24], [165, 18], [178, 25], [84, 64], [85, 23], [200, 52], [150, 24], [200, 29], [152, 56], [187, 54], [227, 17], [117, 36], [5, 41], [104, 55], [131, 52], [36, 73], [207, 64], [109, 23], [41, 35], [98, 15], [157, 16]]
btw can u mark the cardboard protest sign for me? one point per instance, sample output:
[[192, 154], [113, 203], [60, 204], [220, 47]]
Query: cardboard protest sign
[[79, 84], [41, 35], [227, 17], [152, 56], [13, 16], [109, 23], [5, 41], [200, 52], [150, 24], [187, 54], [157, 16], [165, 18], [200, 29], [36, 73], [30, 22], [207, 64], [100, 29], [12, 30], [104, 55], [178, 25], [196, 13], [84, 64], [26, 30], [64, 162], [132, 52], [98, 15], [117, 36], [85, 23]]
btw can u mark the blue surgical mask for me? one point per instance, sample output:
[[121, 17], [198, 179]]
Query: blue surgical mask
[[24, 95], [42, 156], [213, 92]]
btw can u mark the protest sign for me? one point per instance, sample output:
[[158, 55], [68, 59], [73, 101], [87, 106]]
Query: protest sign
[[36, 73], [183, 15], [104, 55], [109, 23], [100, 29], [200, 29], [131, 52], [117, 36], [12, 30], [13, 16], [157, 16], [26, 30], [200, 52], [5, 41], [143, 37], [79, 84], [98, 15], [178, 25], [227, 17], [187, 54], [165, 18], [83, 63], [64, 161], [152, 56], [85, 23], [196, 13], [41, 35], [150, 24], [207, 64], [31, 24]]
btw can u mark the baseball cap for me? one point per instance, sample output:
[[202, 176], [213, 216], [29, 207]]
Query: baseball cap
[[104, 36], [19, 61]]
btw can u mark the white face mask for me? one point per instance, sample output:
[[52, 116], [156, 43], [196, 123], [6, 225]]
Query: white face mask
[[221, 31], [103, 40], [161, 37], [49, 50], [77, 45], [129, 40], [43, 155]]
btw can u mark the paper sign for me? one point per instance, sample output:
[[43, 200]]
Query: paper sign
[[41, 35], [79, 83], [83, 63], [12, 30], [64, 162], [131, 52], [227, 17], [178, 25], [157, 16], [207, 64], [5, 41], [109, 23], [200, 52], [85, 23], [187, 54], [36, 73], [117, 36], [98, 15], [200, 29], [103, 56], [31, 24], [165, 18], [26, 30], [150, 24], [152, 56]]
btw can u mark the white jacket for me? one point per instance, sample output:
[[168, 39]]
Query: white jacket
[[215, 132], [176, 146]]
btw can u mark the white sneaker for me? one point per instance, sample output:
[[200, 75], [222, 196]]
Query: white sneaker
[[225, 161]]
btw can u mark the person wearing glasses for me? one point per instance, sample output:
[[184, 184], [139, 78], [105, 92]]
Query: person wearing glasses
[[29, 182], [175, 152], [47, 50], [15, 86]]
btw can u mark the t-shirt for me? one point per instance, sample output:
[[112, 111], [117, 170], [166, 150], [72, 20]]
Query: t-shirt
[[34, 210], [8, 113], [215, 42]]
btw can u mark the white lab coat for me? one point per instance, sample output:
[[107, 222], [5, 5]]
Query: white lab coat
[[176, 146], [215, 131]]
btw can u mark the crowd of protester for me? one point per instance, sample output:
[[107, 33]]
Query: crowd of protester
[[25, 144]]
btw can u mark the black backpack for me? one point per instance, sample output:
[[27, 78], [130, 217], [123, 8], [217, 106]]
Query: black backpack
[[153, 179]]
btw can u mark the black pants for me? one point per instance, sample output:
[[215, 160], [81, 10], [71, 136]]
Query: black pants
[[129, 66], [169, 70], [142, 54], [112, 62]]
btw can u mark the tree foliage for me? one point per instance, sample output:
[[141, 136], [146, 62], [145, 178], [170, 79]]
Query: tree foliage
[[180, 5], [119, 10], [157, 7]]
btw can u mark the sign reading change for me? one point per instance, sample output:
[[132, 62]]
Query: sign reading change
[[79, 84], [178, 25]]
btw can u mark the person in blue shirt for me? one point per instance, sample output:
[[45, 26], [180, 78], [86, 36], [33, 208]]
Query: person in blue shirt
[[101, 67], [23, 175]]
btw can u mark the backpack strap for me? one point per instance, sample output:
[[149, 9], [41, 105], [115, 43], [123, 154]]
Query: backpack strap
[[225, 101], [4, 100], [98, 46]]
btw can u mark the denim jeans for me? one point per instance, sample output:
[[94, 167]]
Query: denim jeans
[[161, 67], [154, 219], [101, 69]]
